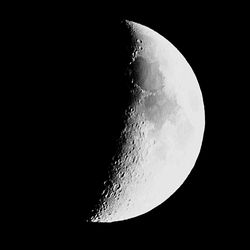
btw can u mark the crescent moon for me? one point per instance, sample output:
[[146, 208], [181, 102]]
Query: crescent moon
[[163, 131]]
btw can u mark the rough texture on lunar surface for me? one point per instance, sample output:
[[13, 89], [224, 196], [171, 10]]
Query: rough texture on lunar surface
[[162, 133]]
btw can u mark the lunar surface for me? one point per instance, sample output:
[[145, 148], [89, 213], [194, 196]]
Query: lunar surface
[[162, 133]]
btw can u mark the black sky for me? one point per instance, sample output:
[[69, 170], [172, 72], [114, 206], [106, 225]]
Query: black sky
[[72, 55]]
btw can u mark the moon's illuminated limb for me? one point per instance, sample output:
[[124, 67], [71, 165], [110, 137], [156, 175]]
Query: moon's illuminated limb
[[163, 135]]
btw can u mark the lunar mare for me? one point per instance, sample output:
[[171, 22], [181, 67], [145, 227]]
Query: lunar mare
[[162, 134]]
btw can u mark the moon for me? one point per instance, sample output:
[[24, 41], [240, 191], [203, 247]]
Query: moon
[[162, 133]]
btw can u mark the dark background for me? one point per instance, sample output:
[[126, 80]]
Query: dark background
[[68, 93]]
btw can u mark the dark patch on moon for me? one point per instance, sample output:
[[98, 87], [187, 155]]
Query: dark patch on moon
[[146, 74], [156, 105], [159, 107]]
